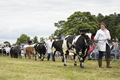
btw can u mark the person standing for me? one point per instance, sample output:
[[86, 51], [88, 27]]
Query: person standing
[[90, 52], [103, 35], [49, 50], [26, 45], [117, 48], [117, 41], [7, 50]]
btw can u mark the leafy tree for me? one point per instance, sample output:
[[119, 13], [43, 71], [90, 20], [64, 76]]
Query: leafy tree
[[78, 20], [81, 20], [6, 42], [117, 32], [23, 39], [118, 19], [42, 39], [35, 39], [100, 18], [60, 24], [59, 31], [13, 44]]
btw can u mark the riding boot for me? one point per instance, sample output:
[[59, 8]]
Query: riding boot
[[100, 63], [108, 63]]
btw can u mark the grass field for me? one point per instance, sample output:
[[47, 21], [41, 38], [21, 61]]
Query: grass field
[[29, 69]]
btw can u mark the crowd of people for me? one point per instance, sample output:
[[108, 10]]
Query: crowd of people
[[7, 49]]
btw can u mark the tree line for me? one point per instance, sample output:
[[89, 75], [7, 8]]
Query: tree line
[[85, 20], [25, 38]]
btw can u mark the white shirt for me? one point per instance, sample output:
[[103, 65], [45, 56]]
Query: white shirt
[[101, 36], [25, 48], [7, 50], [49, 45]]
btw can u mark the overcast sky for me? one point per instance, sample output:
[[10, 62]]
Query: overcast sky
[[37, 17]]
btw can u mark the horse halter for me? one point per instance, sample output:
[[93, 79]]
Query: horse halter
[[88, 40]]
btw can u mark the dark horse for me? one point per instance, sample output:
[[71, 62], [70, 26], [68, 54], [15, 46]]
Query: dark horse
[[15, 52], [41, 49]]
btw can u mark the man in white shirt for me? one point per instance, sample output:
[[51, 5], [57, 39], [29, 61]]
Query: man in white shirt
[[7, 50], [103, 35], [26, 45], [49, 50]]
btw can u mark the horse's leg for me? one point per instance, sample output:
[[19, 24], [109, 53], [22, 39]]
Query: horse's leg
[[54, 56], [30, 56], [2, 52], [75, 64], [27, 56], [81, 61], [11, 55], [43, 57], [65, 58], [84, 52], [35, 56], [40, 56], [62, 56]]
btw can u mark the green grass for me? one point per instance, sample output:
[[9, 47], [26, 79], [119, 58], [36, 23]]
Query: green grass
[[29, 69]]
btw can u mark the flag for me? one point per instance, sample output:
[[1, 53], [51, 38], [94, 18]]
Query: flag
[[63, 36]]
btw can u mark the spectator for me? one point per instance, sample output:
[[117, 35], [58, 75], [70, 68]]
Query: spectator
[[118, 55], [7, 50], [46, 50], [49, 51], [16, 45], [96, 53], [26, 45], [90, 52], [117, 41], [116, 50]]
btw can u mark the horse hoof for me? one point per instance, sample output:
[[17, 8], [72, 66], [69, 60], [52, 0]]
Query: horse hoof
[[62, 60], [65, 65], [35, 59], [82, 67], [75, 64], [53, 60]]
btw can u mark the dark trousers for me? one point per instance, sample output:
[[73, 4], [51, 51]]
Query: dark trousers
[[25, 55], [107, 52], [48, 57]]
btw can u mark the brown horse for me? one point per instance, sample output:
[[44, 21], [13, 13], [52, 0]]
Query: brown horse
[[29, 52]]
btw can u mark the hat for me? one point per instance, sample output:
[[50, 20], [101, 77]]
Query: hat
[[29, 42], [84, 31]]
